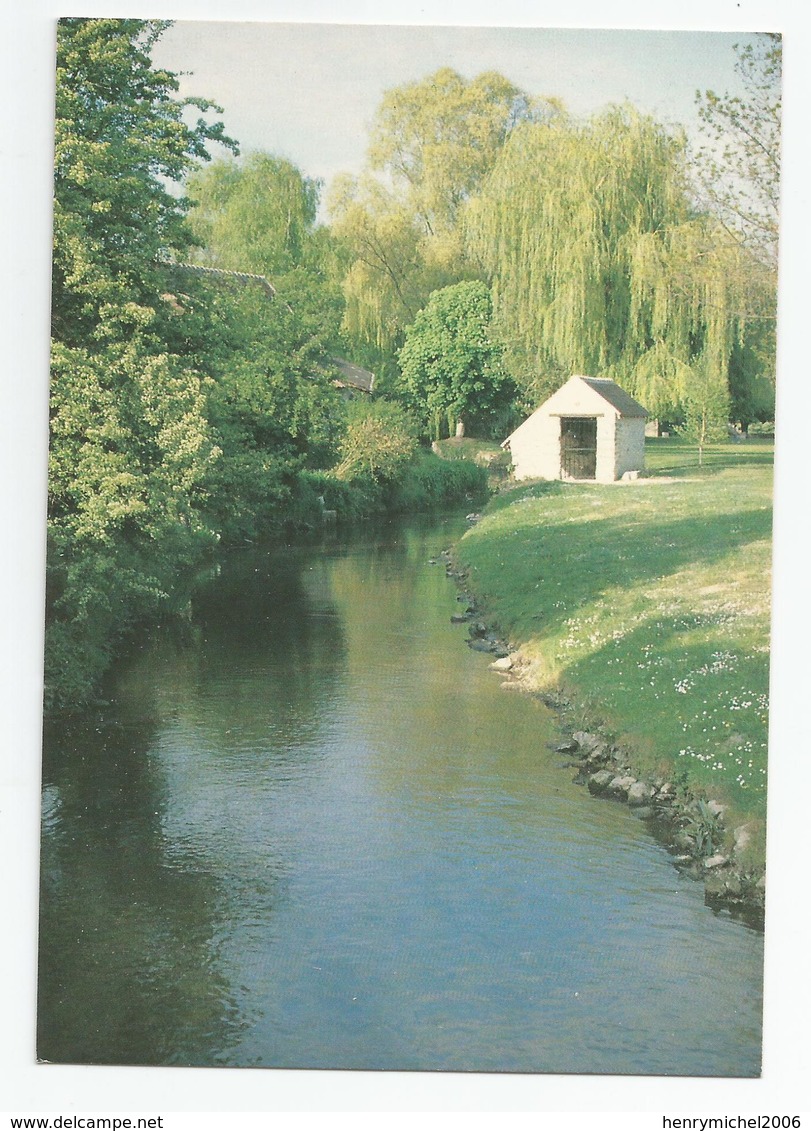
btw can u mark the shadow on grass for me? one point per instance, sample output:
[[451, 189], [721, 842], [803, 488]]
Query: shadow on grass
[[538, 577], [664, 457]]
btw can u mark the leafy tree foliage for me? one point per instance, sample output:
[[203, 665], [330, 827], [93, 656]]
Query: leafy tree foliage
[[433, 142], [272, 407], [260, 216], [379, 442], [599, 263], [738, 172], [386, 280], [706, 402], [130, 444], [587, 233], [437, 139], [751, 376], [257, 216], [693, 292], [451, 365], [120, 136], [739, 167], [129, 449]]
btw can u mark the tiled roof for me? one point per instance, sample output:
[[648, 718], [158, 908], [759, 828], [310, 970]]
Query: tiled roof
[[221, 273], [611, 392], [353, 375]]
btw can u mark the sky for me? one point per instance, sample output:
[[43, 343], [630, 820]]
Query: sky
[[314, 107], [309, 92]]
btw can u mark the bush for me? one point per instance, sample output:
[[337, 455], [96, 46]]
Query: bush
[[762, 428], [430, 482], [424, 483], [249, 492], [379, 441], [322, 490]]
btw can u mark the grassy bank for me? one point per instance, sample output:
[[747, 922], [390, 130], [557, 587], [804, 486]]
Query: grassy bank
[[648, 604], [486, 454]]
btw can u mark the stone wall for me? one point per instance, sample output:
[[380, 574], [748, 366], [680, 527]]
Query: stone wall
[[536, 449], [630, 445], [606, 439]]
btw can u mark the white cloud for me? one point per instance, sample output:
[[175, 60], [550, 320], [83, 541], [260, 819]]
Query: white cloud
[[310, 91]]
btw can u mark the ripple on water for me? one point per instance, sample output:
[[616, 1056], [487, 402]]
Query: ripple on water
[[350, 849]]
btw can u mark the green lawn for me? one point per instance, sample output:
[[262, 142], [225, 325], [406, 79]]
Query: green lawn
[[649, 603]]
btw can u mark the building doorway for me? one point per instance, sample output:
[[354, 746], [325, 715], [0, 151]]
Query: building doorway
[[578, 447]]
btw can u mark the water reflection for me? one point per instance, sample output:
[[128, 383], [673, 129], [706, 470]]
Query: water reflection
[[317, 834], [145, 811], [126, 931]]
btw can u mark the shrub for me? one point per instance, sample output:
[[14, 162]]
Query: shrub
[[429, 481], [380, 439], [321, 490]]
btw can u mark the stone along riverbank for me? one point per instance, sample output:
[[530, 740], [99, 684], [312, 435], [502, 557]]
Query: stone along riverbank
[[314, 833], [694, 828]]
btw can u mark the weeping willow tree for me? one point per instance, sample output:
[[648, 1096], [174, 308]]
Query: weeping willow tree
[[692, 309], [254, 215], [432, 143], [599, 265], [385, 283], [437, 138]]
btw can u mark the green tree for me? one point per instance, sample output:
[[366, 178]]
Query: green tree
[[257, 216], [437, 139], [556, 226], [271, 404], [272, 407], [261, 217], [738, 174], [739, 167], [384, 279], [706, 402], [379, 441], [388, 273], [130, 452], [751, 381], [130, 442], [432, 144], [120, 136], [451, 365], [599, 263], [692, 288]]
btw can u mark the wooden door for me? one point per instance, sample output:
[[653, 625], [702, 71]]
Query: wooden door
[[578, 447]]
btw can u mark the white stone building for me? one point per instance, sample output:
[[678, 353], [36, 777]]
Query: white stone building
[[590, 429]]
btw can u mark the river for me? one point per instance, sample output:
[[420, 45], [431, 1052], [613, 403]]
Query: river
[[313, 831]]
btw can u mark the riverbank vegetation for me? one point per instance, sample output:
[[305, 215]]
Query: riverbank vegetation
[[189, 409], [648, 605], [494, 244]]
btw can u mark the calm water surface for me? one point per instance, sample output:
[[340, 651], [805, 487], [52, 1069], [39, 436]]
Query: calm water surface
[[316, 833]]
